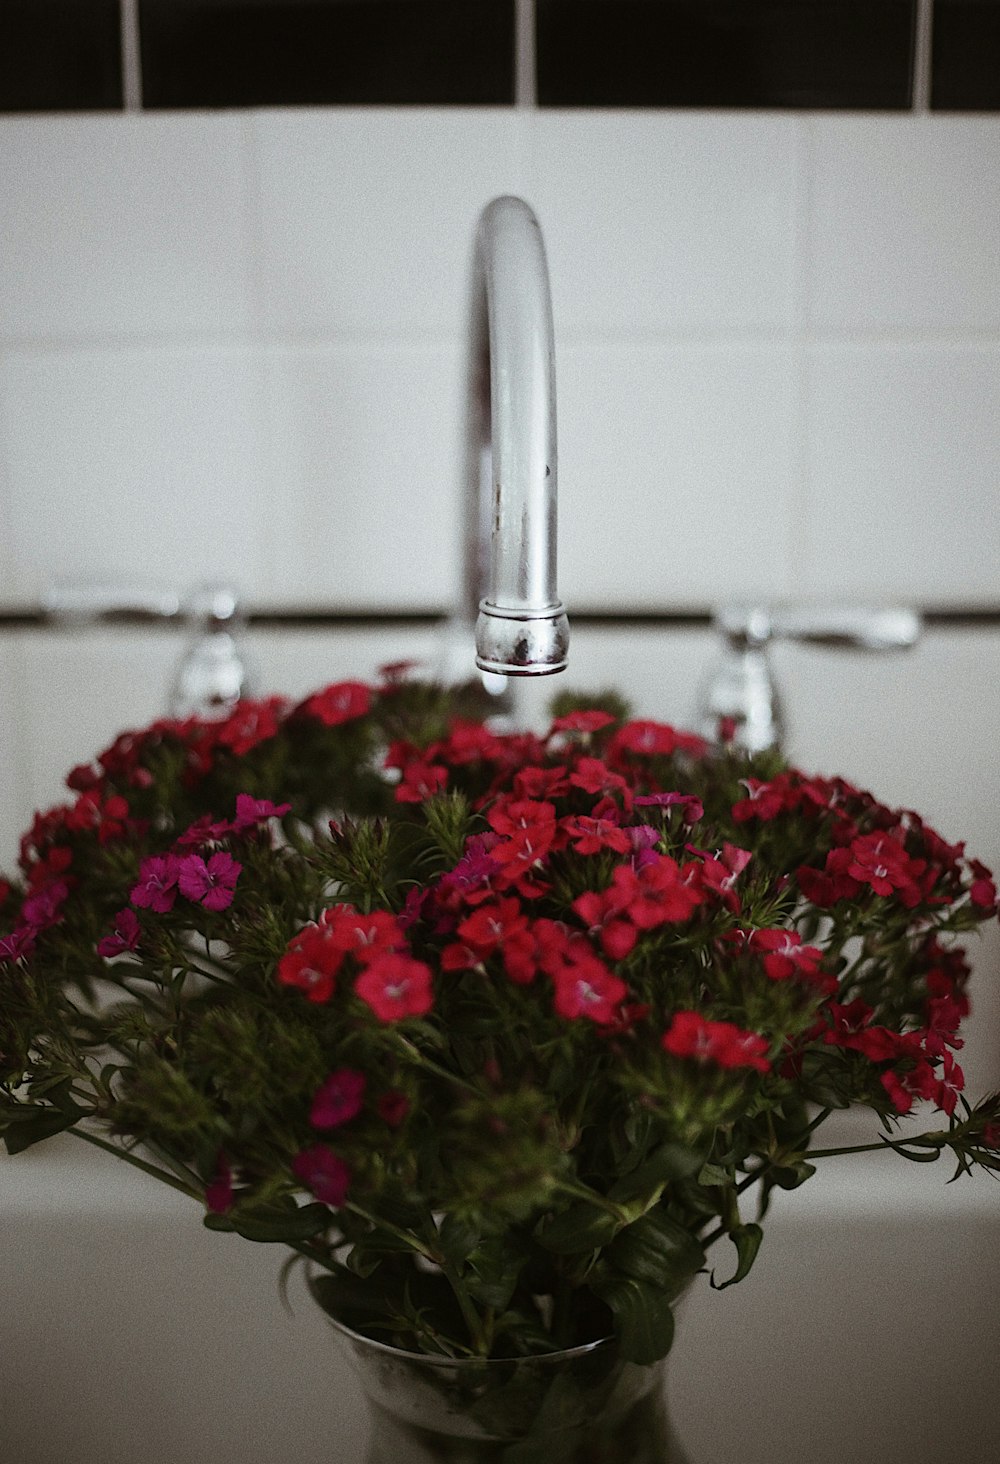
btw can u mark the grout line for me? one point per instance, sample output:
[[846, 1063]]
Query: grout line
[[525, 75], [958, 617], [923, 41], [131, 56]]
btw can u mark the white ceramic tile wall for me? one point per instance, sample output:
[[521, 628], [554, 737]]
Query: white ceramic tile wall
[[233, 343], [777, 339]]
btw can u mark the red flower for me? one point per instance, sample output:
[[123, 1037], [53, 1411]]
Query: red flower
[[657, 894], [584, 721], [594, 776], [785, 955], [364, 936], [541, 782], [720, 874], [649, 739], [396, 987], [824, 887], [343, 702], [881, 862], [338, 1100], [311, 963], [692, 1035], [251, 723], [764, 800], [586, 988], [421, 780], [601, 912], [591, 835], [324, 1173]]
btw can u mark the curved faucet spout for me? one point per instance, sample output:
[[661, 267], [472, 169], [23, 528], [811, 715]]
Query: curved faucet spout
[[521, 629]]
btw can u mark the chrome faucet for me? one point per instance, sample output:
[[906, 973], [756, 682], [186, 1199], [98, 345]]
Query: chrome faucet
[[740, 689], [509, 578]]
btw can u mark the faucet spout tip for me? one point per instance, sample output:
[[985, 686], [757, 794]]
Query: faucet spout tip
[[515, 642]]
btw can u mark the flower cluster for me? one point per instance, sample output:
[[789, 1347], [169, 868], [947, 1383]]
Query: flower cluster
[[495, 1028]]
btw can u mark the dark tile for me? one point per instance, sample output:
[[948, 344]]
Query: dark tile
[[965, 67], [725, 53], [270, 53], [59, 55]]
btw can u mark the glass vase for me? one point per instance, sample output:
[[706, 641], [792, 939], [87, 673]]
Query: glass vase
[[586, 1405]]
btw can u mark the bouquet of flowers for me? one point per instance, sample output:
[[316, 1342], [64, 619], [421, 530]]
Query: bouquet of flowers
[[497, 1030]]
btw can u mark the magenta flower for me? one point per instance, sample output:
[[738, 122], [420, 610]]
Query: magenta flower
[[338, 1100], [250, 811], [20, 942], [323, 1172], [219, 1191], [210, 883], [157, 887], [124, 937]]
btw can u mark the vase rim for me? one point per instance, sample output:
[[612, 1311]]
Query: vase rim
[[561, 1355]]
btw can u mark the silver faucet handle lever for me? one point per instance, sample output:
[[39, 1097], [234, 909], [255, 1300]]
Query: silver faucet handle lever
[[892, 628], [101, 603]]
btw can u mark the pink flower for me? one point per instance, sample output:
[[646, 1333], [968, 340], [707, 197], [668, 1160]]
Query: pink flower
[[393, 1107], [124, 937], [339, 1099], [209, 883], [396, 987], [250, 811], [324, 1173], [219, 1191], [157, 886]]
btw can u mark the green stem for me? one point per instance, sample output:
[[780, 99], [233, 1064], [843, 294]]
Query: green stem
[[136, 1162], [472, 1318], [411, 1241]]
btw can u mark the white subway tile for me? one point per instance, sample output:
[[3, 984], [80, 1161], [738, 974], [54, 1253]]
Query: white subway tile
[[659, 221], [366, 459], [131, 465], [295, 662], [905, 226], [675, 473], [79, 689], [904, 459], [366, 218], [115, 225]]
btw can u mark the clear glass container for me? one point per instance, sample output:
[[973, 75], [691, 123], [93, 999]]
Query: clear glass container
[[586, 1405]]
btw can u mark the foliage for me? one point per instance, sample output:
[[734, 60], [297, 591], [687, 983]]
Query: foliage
[[494, 1028]]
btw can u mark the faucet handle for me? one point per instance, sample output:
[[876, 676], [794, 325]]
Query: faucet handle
[[79, 604], [213, 675], [894, 628], [740, 689]]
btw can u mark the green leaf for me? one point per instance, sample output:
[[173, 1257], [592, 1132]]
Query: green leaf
[[790, 1176], [643, 1315], [582, 1227], [657, 1250], [747, 1239], [669, 1162], [273, 1222], [41, 1124]]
